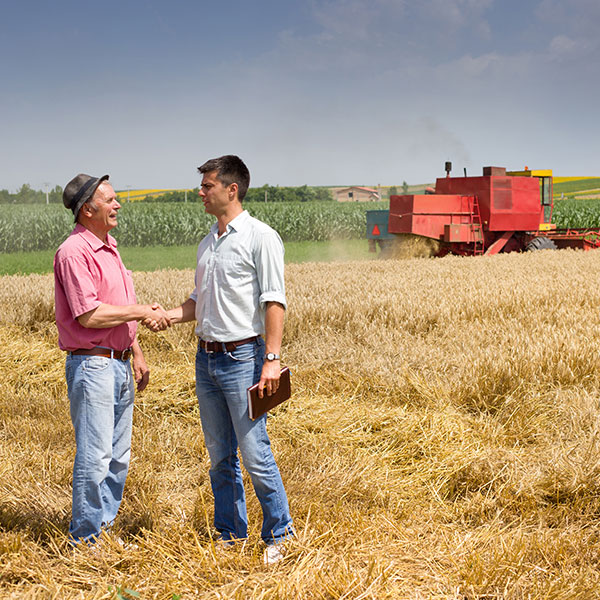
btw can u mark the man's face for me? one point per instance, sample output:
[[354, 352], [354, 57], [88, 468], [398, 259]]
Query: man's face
[[104, 215], [215, 196]]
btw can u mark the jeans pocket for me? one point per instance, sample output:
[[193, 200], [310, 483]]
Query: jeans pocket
[[245, 353], [96, 363]]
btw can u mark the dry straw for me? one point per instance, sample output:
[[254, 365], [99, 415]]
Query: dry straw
[[442, 441]]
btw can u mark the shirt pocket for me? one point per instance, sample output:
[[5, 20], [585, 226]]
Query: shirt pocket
[[233, 270]]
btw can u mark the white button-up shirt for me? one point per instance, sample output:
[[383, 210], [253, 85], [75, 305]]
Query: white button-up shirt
[[236, 275]]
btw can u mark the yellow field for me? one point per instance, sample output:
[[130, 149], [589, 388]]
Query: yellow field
[[443, 441], [134, 195], [563, 179]]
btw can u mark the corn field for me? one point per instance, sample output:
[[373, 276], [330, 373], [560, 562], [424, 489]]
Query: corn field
[[577, 214], [44, 227], [442, 442]]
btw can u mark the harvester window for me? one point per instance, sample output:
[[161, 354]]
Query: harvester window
[[546, 197], [546, 190]]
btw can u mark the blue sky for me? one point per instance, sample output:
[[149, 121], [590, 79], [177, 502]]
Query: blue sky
[[317, 92]]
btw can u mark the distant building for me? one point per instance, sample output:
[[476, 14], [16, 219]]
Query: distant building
[[357, 194]]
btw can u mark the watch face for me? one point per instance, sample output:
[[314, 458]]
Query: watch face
[[271, 356]]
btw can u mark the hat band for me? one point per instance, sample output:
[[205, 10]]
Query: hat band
[[86, 186]]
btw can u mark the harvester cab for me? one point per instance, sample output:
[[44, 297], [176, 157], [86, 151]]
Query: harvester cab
[[546, 192]]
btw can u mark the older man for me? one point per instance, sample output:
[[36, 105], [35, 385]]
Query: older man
[[239, 297], [96, 314]]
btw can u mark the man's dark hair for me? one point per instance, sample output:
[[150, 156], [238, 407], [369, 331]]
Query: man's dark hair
[[230, 169]]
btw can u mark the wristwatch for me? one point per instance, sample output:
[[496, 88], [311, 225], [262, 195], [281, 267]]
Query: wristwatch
[[271, 356]]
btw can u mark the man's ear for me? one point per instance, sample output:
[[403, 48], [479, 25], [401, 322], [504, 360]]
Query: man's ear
[[233, 189]]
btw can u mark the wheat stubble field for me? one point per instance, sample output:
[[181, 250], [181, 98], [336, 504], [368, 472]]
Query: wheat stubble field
[[442, 442]]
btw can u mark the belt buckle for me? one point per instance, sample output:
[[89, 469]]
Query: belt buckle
[[206, 347], [126, 354]]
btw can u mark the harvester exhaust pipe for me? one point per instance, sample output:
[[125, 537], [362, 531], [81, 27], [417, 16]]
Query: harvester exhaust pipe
[[448, 168]]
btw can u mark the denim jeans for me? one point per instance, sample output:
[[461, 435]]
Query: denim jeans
[[101, 398], [222, 379]]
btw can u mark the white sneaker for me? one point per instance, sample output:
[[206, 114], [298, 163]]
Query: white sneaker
[[273, 554], [103, 543], [126, 545], [223, 546]]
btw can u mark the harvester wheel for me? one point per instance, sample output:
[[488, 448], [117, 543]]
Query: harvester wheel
[[540, 243]]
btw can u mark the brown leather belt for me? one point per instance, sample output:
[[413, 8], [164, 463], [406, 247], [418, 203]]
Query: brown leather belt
[[106, 352], [212, 347]]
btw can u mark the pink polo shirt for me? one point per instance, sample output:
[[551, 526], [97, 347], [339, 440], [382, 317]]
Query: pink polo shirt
[[88, 273]]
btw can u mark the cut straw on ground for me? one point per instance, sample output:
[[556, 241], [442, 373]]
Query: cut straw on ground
[[442, 441]]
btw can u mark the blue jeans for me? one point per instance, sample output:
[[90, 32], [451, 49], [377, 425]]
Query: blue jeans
[[101, 398], [222, 379]]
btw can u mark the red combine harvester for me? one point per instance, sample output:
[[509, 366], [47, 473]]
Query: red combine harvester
[[498, 212]]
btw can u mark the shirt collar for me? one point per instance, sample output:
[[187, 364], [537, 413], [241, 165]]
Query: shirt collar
[[240, 221], [94, 241], [237, 224]]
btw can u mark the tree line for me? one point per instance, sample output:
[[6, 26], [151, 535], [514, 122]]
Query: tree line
[[267, 193], [27, 195]]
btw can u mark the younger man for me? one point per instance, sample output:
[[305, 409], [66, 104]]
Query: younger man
[[239, 296]]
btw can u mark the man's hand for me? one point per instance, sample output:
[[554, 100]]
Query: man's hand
[[157, 318], [184, 313], [141, 372], [269, 377]]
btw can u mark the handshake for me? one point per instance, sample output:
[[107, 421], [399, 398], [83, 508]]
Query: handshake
[[156, 317]]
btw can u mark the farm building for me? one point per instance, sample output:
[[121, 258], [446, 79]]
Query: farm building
[[357, 194]]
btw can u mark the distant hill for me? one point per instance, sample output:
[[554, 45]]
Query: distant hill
[[577, 187]]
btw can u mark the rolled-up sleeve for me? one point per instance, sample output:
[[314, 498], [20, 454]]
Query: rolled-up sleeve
[[269, 268], [194, 294]]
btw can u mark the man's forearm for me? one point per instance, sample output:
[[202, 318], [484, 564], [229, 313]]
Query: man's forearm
[[141, 372], [110, 315], [136, 348], [274, 317], [184, 313], [269, 377]]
